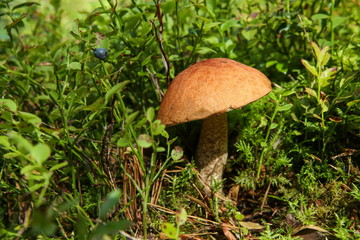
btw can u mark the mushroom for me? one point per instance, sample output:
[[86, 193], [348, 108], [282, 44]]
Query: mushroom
[[208, 90]]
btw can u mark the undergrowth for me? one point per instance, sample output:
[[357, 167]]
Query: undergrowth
[[83, 155]]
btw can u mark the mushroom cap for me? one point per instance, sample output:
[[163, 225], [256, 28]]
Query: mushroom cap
[[211, 87]]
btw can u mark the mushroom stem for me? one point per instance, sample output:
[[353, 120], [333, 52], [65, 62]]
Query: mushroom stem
[[212, 150]]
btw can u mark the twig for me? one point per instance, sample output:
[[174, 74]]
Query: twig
[[128, 236], [265, 196], [158, 35], [156, 83]]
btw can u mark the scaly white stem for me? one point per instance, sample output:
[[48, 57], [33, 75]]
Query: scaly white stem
[[212, 150]]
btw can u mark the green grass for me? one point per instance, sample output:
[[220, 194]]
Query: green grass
[[83, 156]]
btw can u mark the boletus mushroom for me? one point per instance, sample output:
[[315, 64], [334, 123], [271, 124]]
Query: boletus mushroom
[[208, 90]]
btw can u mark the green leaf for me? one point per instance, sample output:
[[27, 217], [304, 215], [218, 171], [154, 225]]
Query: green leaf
[[27, 4], [309, 67], [108, 228], [323, 55], [4, 141], [40, 152], [249, 34], [11, 155], [30, 118], [144, 140], [165, 134], [23, 145], [316, 49], [353, 103], [325, 59], [311, 92], [58, 166], [228, 24], [8, 104], [211, 5], [208, 26], [75, 66], [337, 20], [181, 217], [111, 200], [150, 114], [131, 117], [177, 153], [285, 107], [239, 216], [169, 230], [320, 16], [115, 89], [124, 141], [95, 106], [36, 187], [157, 127]]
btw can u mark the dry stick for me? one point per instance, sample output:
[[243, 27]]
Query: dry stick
[[156, 83], [158, 35], [265, 196], [204, 221]]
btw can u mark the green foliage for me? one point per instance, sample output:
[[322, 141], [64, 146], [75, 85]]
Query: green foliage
[[173, 231], [81, 148]]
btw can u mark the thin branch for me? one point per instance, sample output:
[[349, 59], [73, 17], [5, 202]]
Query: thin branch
[[159, 39]]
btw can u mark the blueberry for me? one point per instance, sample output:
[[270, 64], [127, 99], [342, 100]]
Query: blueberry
[[101, 53]]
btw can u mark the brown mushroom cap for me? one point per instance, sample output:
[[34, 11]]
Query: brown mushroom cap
[[211, 87]]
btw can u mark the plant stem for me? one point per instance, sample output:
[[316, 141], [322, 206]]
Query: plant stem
[[266, 142]]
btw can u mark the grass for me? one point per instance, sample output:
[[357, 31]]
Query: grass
[[83, 156]]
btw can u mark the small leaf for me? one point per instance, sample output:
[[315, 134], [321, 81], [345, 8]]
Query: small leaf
[[321, 56], [325, 60], [22, 143], [36, 187], [165, 134], [208, 26], [30, 118], [4, 141], [40, 152], [249, 34], [169, 230], [150, 114], [181, 217], [316, 49], [320, 16], [157, 128], [239, 216], [115, 89], [251, 225], [11, 155], [111, 200], [26, 4], [228, 24], [58, 166], [311, 92], [95, 106], [309, 67], [8, 104], [285, 107], [75, 66], [177, 153], [124, 141], [353, 103], [109, 228], [131, 117], [144, 140]]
